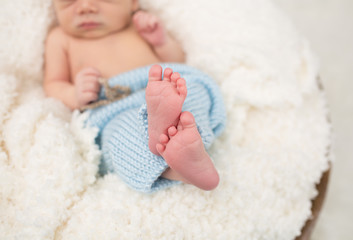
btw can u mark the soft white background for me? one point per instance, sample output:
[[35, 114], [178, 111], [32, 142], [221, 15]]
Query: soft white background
[[328, 25]]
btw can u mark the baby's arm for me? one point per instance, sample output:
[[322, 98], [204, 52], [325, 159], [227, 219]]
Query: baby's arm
[[152, 30], [57, 79]]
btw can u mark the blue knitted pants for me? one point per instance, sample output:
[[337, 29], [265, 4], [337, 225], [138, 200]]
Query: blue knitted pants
[[123, 135]]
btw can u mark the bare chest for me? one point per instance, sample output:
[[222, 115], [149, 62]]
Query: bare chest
[[112, 55]]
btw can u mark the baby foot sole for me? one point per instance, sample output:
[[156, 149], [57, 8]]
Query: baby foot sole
[[183, 150], [165, 99]]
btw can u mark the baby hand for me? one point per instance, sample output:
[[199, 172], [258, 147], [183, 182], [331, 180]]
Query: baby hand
[[150, 28], [87, 86]]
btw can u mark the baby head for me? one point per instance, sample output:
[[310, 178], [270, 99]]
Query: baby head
[[94, 18]]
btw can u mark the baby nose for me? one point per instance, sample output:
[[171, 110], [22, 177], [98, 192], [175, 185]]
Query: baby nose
[[86, 6]]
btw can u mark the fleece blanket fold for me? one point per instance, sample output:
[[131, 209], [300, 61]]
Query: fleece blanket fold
[[273, 152]]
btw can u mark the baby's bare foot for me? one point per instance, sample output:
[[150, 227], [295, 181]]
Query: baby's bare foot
[[184, 152], [164, 100]]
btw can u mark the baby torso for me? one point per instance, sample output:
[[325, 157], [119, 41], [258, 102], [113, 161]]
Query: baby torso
[[110, 55]]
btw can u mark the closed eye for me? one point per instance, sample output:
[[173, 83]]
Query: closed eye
[[65, 3]]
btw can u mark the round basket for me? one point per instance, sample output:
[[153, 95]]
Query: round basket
[[317, 203]]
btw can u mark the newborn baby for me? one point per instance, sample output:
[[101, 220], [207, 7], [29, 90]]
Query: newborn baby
[[104, 38]]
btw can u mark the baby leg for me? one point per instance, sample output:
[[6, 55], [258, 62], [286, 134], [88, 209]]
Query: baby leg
[[125, 152], [183, 150]]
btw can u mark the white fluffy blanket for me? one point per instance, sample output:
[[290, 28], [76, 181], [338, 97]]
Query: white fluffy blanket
[[269, 159]]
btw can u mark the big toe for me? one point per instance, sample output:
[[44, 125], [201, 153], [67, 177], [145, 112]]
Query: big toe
[[155, 73], [187, 120]]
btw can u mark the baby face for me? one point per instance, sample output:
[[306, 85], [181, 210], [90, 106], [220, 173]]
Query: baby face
[[94, 18]]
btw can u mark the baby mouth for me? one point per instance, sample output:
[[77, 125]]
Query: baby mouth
[[89, 25]]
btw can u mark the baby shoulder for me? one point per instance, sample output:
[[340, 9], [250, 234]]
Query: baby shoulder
[[56, 37]]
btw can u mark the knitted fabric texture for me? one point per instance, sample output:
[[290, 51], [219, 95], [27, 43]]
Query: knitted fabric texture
[[123, 126]]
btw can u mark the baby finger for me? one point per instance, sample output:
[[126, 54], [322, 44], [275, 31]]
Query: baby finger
[[92, 86], [88, 97]]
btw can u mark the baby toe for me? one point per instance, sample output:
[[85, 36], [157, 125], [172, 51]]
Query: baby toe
[[181, 86], [163, 139], [175, 76], [160, 148], [155, 73], [172, 131], [167, 74], [187, 120]]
